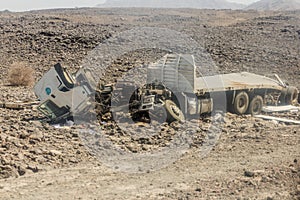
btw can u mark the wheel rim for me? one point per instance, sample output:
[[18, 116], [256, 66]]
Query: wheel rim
[[241, 103], [256, 107], [174, 111]]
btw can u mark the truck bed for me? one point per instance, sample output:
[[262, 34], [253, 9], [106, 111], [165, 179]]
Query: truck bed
[[234, 81]]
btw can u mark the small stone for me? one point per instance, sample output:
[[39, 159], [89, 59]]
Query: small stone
[[298, 189], [55, 153], [37, 136], [132, 148], [24, 134], [2, 150], [74, 134], [73, 160], [144, 148], [33, 168], [21, 170], [249, 173], [20, 156], [36, 151], [36, 124]]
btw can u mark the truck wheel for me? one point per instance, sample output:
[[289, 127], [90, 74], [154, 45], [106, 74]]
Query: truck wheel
[[173, 112], [291, 95], [256, 105], [64, 76], [159, 114], [241, 103]]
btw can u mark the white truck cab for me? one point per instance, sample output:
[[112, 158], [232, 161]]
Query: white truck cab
[[62, 94]]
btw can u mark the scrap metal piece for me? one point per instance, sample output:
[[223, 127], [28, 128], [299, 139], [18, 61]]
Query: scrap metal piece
[[279, 119], [270, 109], [280, 81], [19, 105]]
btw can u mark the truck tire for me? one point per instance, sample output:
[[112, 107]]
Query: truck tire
[[158, 114], [291, 95], [256, 105], [241, 103], [173, 112], [64, 76]]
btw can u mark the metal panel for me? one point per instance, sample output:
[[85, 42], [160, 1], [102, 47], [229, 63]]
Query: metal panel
[[236, 81], [176, 71]]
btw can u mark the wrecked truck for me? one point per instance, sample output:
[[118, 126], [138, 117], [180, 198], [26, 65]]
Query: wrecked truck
[[62, 94], [175, 90]]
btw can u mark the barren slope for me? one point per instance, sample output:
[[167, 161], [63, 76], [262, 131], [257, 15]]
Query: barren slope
[[275, 5]]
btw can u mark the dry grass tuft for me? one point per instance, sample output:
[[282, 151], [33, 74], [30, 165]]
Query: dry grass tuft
[[20, 74]]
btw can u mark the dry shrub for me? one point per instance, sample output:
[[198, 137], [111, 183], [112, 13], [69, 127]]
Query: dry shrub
[[19, 74]]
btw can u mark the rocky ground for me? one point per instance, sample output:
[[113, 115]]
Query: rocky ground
[[250, 159]]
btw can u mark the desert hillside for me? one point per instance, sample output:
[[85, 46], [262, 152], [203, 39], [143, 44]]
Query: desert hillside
[[200, 4], [275, 5]]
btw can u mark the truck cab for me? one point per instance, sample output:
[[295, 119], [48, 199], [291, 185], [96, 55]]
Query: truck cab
[[62, 94]]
